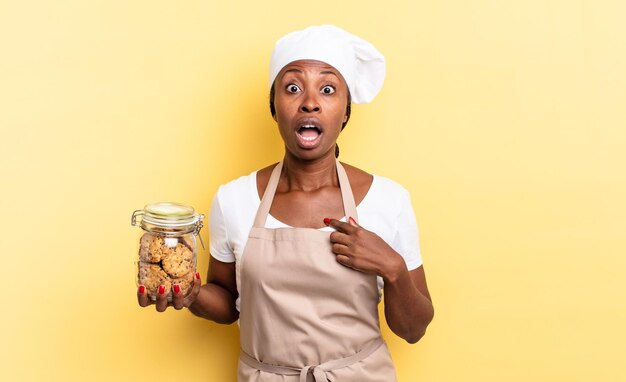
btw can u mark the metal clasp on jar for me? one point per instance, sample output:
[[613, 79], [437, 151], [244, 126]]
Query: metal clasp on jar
[[199, 226], [133, 219]]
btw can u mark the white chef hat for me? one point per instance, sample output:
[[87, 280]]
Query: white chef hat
[[360, 64]]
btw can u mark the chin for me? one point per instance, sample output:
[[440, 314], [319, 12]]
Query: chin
[[309, 154]]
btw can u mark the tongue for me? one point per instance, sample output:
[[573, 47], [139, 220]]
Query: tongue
[[309, 133]]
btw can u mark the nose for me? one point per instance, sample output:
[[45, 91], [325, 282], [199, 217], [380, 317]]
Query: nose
[[310, 104]]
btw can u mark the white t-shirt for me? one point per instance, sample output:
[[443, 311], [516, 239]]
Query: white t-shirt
[[386, 210]]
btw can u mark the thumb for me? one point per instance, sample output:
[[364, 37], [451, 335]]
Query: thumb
[[352, 222]]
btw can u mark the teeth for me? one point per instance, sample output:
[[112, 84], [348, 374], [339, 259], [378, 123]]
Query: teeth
[[309, 139]]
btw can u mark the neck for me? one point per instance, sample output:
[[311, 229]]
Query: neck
[[310, 175]]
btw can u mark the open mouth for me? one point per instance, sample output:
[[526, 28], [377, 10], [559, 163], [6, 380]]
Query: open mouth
[[309, 133]]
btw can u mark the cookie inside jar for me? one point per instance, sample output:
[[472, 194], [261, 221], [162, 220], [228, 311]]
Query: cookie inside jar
[[167, 247], [166, 261]]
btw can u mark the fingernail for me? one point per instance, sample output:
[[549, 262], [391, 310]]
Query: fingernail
[[326, 221], [161, 289], [352, 220], [142, 289], [176, 289], [198, 275]]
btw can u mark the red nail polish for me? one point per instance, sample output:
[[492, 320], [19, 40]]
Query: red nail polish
[[176, 289], [142, 289], [326, 221], [198, 275], [161, 289], [352, 220]]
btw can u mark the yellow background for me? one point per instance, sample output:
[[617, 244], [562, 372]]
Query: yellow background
[[506, 121]]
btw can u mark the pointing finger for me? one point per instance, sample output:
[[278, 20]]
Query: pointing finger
[[342, 227]]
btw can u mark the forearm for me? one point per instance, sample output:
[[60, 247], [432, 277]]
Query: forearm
[[215, 303], [407, 310]]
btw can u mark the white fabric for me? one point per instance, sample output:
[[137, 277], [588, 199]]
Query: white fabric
[[360, 64], [385, 210]]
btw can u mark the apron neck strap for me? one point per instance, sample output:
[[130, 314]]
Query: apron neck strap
[[349, 206]]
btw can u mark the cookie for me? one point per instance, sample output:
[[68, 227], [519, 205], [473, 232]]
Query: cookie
[[179, 261], [151, 276], [152, 248]]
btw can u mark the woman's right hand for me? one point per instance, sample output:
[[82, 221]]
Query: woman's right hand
[[179, 300]]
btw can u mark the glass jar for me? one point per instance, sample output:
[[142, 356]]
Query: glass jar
[[167, 247]]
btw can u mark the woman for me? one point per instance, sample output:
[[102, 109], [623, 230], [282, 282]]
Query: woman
[[293, 258]]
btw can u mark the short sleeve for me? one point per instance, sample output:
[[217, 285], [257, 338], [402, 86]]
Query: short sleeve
[[219, 243], [406, 239]]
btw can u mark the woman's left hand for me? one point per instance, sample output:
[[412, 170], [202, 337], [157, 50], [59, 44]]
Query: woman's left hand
[[362, 250]]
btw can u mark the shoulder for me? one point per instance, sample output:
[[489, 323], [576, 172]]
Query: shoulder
[[357, 176], [263, 178], [236, 190], [390, 187], [387, 195], [235, 205], [360, 182], [373, 183]]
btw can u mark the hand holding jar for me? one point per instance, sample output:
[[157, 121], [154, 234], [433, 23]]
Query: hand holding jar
[[178, 299]]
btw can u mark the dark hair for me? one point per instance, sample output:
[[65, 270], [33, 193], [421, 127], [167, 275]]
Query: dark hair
[[348, 110]]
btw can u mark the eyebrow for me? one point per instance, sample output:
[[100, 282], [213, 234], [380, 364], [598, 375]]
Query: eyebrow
[[294, 70]]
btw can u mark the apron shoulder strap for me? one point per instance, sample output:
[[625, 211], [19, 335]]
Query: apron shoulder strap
[[349, 206], [268, 197]]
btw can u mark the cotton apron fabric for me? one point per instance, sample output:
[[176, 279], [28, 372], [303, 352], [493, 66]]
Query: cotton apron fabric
[[304, 317]]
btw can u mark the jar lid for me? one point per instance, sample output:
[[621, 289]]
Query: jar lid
[[168, 214]]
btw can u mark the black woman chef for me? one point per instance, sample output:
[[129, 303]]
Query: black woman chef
[[301, 249]]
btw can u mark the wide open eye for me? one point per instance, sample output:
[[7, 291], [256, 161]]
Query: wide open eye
[[328, 89], [292, 88]]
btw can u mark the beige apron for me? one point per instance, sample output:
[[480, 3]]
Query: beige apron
[[305, 317]]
